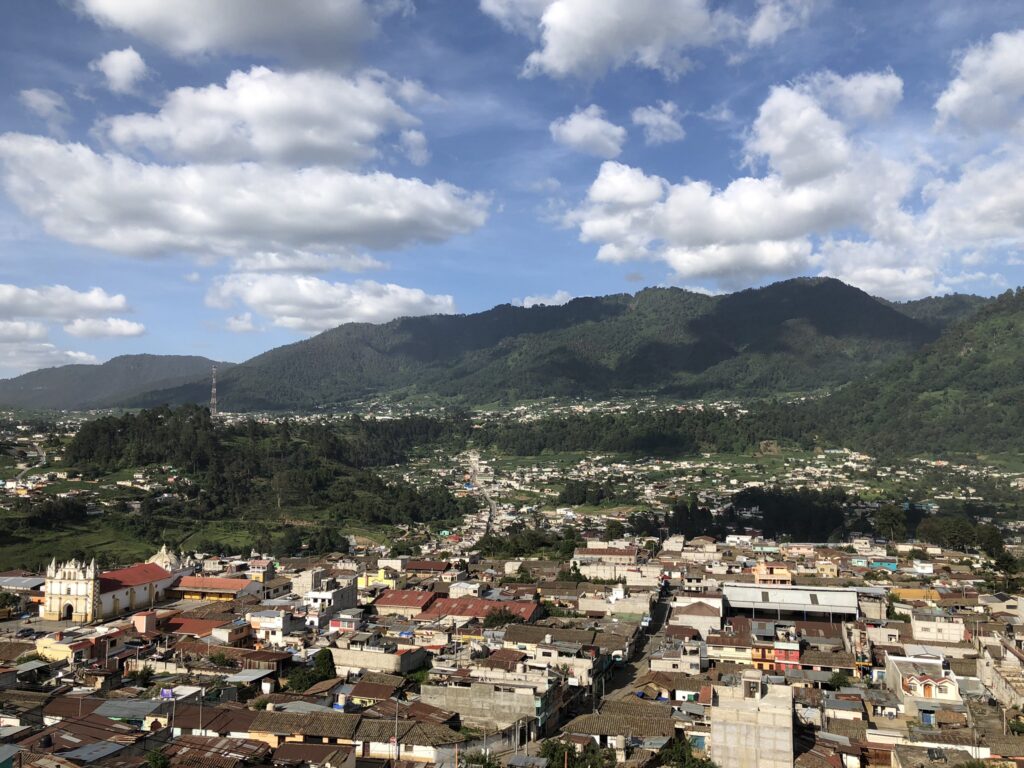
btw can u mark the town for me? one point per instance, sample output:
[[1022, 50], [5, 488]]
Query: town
[[613, 637]]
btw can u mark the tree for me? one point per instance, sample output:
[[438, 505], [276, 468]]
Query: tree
[[500, 618], [839, 680], [480, 759], [322, 668], [1007, 565], [143, 677], [158, 760], [613, 529], [679, 754], [890, 521], [560, 753]]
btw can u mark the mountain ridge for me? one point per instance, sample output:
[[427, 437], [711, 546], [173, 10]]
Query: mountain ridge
[[800, 335]]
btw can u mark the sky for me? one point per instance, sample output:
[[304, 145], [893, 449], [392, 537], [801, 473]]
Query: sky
[[220, 178]]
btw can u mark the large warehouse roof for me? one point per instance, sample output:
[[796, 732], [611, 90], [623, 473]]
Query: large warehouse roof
[[777, 598]]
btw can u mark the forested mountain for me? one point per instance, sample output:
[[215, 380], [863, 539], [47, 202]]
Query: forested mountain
[[794, 336], [940, 311], [79, 387], [965, 392]]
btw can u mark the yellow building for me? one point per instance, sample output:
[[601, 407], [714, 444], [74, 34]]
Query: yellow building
[[386, 578]]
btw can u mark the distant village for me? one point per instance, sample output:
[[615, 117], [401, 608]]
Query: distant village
[[631, 649]]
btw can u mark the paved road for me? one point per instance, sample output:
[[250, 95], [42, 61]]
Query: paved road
[[620, 682], [37, 465], [474, 469]]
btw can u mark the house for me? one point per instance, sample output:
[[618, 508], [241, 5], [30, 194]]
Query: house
[[359, 651], [460, 610], [403, 602], [215, 588], [773, 573], [921, 684]]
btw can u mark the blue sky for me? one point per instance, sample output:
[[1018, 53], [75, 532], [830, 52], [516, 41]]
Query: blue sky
[[219, 179]]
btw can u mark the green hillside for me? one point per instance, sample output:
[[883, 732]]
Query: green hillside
[[798, 335], [79, 387]]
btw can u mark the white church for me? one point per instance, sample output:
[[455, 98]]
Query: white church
[[76, 592]]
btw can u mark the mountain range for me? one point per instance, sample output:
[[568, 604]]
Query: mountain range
[[802, 335], [82, 387]]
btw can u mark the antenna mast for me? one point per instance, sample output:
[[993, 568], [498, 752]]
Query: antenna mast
[[213, 393]]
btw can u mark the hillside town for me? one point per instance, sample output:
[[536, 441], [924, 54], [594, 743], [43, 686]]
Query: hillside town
[[743, 652]]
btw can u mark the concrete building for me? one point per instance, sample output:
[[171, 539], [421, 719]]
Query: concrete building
[[359, 651], [936, 626], [490, 698], [777, 574], [752, 724]]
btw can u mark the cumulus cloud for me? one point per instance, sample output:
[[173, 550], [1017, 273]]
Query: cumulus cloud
[[516, 15], [555, 299], [414, 144], [304, 261], [240, 323], [299, 118], [102, 327], [589, 132], [581, 38], [18, 357], [817, 180], [585, 39], [324, 30], [774, 18], [21, 330], [26, 313], [660, 123], [304, 303], [113, 202], [57, 302], [48, 105], [122, 69], [864, 95], [988, 90]]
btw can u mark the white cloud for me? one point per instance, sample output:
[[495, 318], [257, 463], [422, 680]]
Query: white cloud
[[555, 299], [25, 314], [587, 131], [18, 357], [119, 204], [585, 39], [240, 323], [582, 38], [988, 91], [304, 303], [304, 261], [299, 118], [660, 123], [818, 180], [101, 327], [192, 277], [864, 95], [414, 144], [57, 302], [797, 137], [324, 29], [48, 105], [21, 330], [516, 15], [774, 18], [122, 69]]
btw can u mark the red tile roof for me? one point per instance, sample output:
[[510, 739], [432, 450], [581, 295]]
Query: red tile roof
[[405, 598], [478, 607], [136, 575], [427, 565]]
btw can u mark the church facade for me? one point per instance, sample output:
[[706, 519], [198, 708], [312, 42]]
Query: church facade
[[77, 592]]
